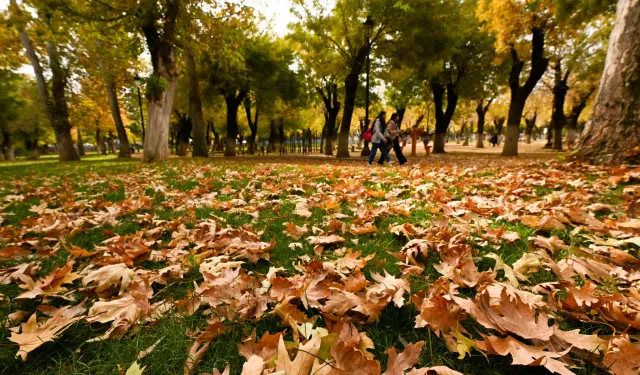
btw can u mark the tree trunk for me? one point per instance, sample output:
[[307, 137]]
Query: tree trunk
[[271, 147], [233, 101], [81, 151], [112, 145], [165, 73], [401, 112], [559, 119], [613, 134], [56, 109], [443, 117], [331, 109], [156, 145], [195, 108], [125, 148], [351, 88], [481, 110], [520, 93], [64, 144], [8, 152], [253, 125]]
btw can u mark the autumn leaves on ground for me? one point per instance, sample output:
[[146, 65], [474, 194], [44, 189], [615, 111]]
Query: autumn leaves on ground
[[197, 267]]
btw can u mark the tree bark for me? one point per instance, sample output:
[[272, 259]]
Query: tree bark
[[165, 71], [114, 106], [195, 108], [81, 151], [481, 110], [520, 93], [56, 109], [8, 152], [443, 116], [351, 88], [559, 119], [253, 125], [329, 95], [233, 101], [401, 112], [613, 134], [272, 136]]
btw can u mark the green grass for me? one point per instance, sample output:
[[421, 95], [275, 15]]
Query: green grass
[[110, 180]]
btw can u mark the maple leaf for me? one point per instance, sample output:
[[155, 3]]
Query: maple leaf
[[23, 271], [253, 366], [110, 276], [507, 312], [364, 229], [509, 272], [265, 348], [295, 231], [32, 335], [523, 354], [52, 284], [623, 357], [441, 314], [528, 263], [305, 356], [399, 363], [389, 286], [135, 369]]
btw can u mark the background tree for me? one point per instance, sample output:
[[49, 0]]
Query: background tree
[[342, 31], [49, 27]]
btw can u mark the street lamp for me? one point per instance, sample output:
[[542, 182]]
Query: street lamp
[[138, 81], [368, 29]]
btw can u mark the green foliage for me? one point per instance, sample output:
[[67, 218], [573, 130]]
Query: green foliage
[[155, 86]]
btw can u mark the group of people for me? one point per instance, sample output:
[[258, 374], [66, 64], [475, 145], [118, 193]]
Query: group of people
[[385, 136]]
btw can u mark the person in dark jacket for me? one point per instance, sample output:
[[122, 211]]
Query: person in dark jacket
[[378, 140], [392, 134]]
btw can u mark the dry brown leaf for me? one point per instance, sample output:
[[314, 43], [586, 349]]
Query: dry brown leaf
[[31, 335]]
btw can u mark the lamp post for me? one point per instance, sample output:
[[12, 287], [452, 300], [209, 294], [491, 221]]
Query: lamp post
[[138, 84], [368, 29]]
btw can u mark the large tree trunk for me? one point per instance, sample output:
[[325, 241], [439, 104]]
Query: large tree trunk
[[156, 145], [233, 101], [351, 88], [195, 108], [112, 95], [81, 151], [613, 134], [443, 117], [520, 93], [165, 81], [56, 109]]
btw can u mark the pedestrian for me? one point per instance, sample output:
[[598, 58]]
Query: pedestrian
[[494, 139], [392, 134], [378, 140]]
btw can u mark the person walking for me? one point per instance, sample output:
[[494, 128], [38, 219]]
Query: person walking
[[392, 135], [378, 140]]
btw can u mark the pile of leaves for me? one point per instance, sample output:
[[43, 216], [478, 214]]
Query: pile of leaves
[[537, 262]]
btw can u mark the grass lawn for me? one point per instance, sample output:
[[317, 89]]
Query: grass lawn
[[152, 218]]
